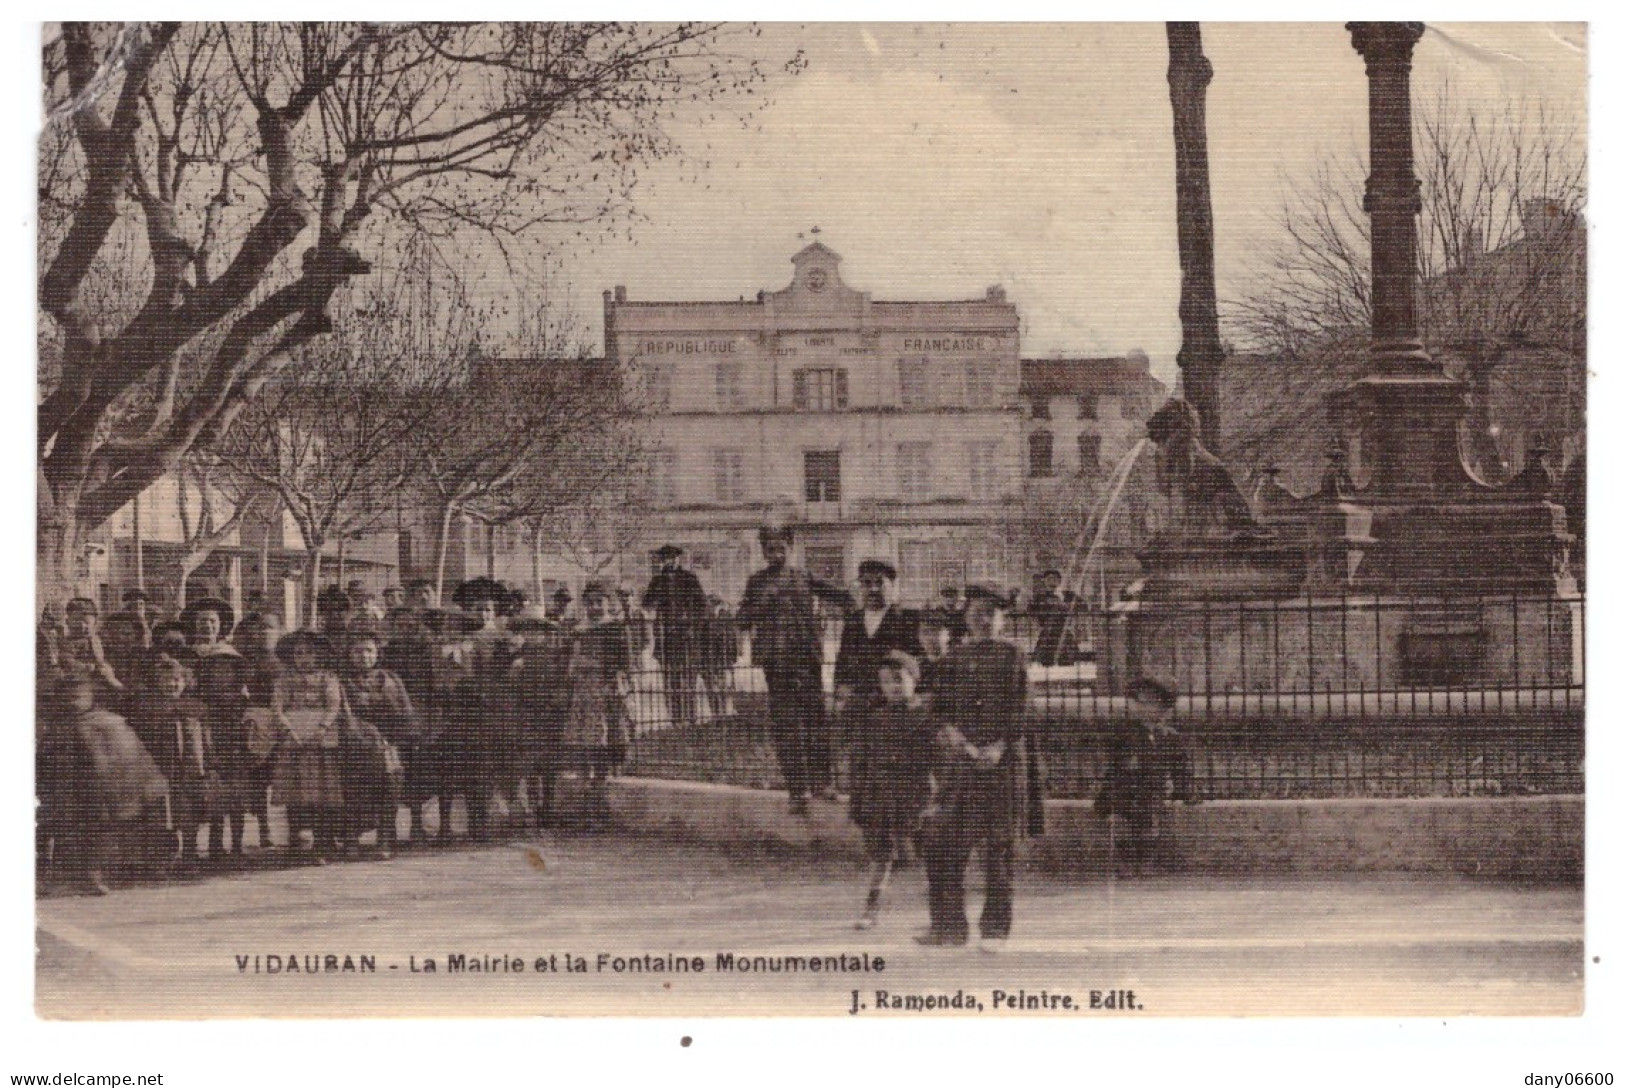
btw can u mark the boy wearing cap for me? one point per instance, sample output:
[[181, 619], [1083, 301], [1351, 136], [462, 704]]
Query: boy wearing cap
[[890, 779], [986, 792], [869, 636], [1144, 754]]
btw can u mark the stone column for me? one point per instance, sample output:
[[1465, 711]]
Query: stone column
[[1408, 517], [1200, 353], [1393, 197]]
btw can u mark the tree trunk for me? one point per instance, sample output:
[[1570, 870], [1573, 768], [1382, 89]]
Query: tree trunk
[[188, 567], [441, 544], [536, 566], [140, 557], [60, 555], [313, 583]]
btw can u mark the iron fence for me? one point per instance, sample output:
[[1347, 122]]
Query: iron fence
[[1339, 697]]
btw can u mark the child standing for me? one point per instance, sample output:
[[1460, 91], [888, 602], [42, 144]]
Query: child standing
[[309, 703], [1146, 755], [890, 779], [173, 724], [384, 726], [985, 794], [595, 733]]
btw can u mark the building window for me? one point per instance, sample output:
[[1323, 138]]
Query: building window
[[657, 387], [820, 389], [663, 477], [1040, 407], [827, 562], [914, 383], [914, 471], [1088, 453], [985, 562], [926, 566], [822, 469], [1089, 406], [730, 387], [986, 471], [729, 471], [981, 383], [1040, 454]]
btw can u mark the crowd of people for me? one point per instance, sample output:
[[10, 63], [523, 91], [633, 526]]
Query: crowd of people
[[160, 738]]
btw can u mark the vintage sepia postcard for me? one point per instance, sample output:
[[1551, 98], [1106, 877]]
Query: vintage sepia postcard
[[872, 521]]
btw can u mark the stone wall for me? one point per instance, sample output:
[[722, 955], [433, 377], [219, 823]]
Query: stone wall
[[1517, 838]]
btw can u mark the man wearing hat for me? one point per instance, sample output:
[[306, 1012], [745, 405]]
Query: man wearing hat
[[988, 791], [677, 600], [558, 606], [1051, 613], [778, 612], [869, 635]]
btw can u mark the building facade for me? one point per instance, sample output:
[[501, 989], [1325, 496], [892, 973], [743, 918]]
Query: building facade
[[1081, 418], [884, 429]]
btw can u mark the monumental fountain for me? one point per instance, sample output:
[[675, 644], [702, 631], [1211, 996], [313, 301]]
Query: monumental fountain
[[1403, 571]]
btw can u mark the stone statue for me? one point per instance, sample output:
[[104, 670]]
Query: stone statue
[[1205, 502]]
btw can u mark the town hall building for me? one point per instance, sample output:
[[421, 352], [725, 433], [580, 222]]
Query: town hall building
[[877, 429]]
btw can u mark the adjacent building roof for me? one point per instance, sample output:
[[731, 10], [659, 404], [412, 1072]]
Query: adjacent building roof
[[1069, 377]]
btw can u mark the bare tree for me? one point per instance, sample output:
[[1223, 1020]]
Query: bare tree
[[526, 441], [209, 507], [337, 440], [1503, 284], [1500, 247], [206, 190]]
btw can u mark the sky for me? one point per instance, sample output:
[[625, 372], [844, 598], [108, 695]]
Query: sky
[[941, 159]]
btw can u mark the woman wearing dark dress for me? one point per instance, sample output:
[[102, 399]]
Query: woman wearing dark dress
[[540, 685], [173, 724], [222, 687]]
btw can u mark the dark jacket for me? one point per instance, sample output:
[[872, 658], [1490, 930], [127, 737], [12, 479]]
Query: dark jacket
[[981, 699], [857, 664], [678, 602], [778, 611]]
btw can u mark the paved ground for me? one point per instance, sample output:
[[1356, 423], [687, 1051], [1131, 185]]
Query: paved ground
[[1184, 946]]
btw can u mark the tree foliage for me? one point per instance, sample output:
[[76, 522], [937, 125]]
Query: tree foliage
[[207, 190]]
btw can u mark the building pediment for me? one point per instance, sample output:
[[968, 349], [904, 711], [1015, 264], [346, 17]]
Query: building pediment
[[817, 286]]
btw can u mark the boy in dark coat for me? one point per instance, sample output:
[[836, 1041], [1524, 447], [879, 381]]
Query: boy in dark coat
[[1145, 755], [891, 773], [985, 792], [677, 601]]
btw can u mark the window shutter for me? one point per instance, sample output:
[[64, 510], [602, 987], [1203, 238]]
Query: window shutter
[[840, 388], [800, 398]]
